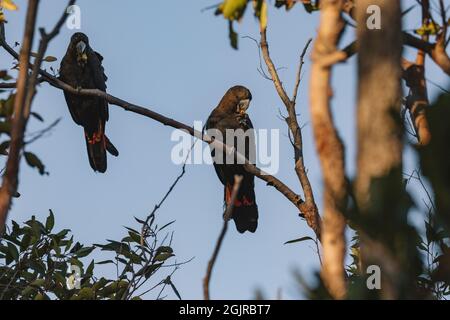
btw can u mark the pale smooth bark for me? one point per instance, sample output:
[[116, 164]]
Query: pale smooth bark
[[329, 147]]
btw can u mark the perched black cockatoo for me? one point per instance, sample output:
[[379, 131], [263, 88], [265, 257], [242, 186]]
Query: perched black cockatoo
[[231, 114], [82, 68]]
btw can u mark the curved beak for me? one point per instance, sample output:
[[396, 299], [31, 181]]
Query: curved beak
[[81, 51], [81, 47], [243, 106]]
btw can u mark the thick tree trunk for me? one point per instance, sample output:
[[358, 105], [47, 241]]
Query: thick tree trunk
[[379, 130]]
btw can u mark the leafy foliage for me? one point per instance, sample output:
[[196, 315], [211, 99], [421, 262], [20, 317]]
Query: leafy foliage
[[8, 5], [234, 10], [36, 263], [6, 114], [435, 164]]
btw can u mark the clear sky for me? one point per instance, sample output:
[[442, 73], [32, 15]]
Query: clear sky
[[175, 59]]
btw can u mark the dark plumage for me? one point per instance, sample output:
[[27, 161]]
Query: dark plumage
[[82, 68], [231, 114]]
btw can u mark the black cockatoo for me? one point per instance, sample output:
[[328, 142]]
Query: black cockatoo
[[82, 68], [231, 114]]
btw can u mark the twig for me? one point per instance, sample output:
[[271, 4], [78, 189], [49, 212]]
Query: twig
[[260, 69], [41, 133], [299, 72], [226, 217], [157, 206], [13, 85]]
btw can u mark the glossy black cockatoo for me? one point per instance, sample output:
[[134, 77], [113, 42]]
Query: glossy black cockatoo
[[231, 114], [82, 68]]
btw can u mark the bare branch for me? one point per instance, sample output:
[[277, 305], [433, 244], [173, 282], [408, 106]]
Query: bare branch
[[309, 208], [300, 68], [145, 226], [37, 135], [226, 218], [13, 85]]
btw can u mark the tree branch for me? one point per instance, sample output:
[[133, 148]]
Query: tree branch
[[13, 85], [10, 179], [436, 51], [226, 218], [309, 208], [329, 147]]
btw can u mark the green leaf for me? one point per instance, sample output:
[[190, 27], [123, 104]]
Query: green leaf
[[299, 240], [37, 116], [4, 75], [26, 240], [90, 269], [175, 290], [34, 162], [83, 252], [50, 222], [105, 262], [166, 225], [233, 36], [38, 283], [163, 256], [4, 147], [86, 294], [288, 3], [62, 233], [135, 237], [13, 251], [5, 126], [148, 271]]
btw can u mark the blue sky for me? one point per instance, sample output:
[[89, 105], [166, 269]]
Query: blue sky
[[175, 59]]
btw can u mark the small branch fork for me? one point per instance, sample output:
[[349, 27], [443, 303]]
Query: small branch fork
[[308, 208]]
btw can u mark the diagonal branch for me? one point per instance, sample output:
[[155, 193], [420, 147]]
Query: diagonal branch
[[226, 218]]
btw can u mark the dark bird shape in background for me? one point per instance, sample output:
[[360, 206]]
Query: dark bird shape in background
[[231, 114], [82, 68]]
